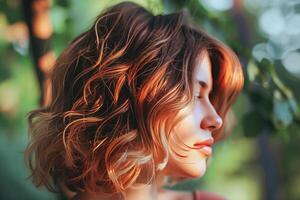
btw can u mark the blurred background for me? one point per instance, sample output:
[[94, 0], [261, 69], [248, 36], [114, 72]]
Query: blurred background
[[259, 159]]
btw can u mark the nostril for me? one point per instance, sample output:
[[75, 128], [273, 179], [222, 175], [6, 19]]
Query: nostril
[[211, 128]]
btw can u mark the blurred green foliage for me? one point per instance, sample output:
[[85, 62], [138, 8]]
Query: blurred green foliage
[[267, 108]]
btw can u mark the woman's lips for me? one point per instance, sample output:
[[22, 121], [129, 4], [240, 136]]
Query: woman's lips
[[206, 150], [206, 142], [205, 146]]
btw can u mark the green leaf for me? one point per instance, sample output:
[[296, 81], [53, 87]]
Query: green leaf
[[252, 70], [266, 65]]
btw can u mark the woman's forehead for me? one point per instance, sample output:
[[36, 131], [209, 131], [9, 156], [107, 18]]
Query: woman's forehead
[[202, 73]]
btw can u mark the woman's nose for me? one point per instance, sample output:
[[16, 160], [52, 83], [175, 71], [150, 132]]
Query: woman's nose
[[211, 122]]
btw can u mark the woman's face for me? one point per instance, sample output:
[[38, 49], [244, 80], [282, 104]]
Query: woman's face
[[195, 130]]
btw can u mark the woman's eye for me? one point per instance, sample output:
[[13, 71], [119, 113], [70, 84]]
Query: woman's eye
[[199, 97]]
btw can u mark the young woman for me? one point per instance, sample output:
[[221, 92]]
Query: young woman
[[136, 98]]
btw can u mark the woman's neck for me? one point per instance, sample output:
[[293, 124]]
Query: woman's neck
[[145, 192]]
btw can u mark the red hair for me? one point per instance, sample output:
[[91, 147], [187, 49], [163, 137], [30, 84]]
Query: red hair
[[116, 91]]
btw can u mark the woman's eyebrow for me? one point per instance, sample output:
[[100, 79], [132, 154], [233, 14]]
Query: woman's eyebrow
[[203, 84]]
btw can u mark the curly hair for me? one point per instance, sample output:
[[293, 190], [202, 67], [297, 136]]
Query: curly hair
[[117, 89]]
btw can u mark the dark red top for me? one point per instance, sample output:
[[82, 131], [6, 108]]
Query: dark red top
[[203, 195]]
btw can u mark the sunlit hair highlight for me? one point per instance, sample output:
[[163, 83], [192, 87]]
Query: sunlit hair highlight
[[117, 89]]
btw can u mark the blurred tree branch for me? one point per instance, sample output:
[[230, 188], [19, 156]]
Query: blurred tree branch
[[37, 18]]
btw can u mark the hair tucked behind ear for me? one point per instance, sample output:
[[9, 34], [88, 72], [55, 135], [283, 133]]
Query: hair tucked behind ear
[[117, 89]]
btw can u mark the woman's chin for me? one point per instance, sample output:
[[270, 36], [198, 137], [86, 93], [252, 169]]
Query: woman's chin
[[191, 168], [195, 170], [198, 171]]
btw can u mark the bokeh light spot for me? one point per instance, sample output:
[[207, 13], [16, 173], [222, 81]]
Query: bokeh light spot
[[272, 21], [220, 5], [291, 63]]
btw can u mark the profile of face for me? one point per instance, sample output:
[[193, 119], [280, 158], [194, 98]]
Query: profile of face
[[195, 130]]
